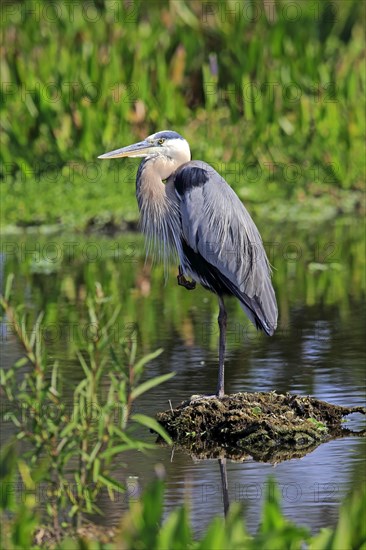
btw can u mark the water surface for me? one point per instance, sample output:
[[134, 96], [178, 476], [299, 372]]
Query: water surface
[[318, 350]]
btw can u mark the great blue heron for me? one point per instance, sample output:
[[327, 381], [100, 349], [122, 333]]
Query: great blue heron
[[197, 217]]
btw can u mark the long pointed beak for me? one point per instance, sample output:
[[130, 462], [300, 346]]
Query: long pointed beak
[[140, 149]]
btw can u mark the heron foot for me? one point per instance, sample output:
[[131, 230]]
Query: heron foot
[[182, 281]]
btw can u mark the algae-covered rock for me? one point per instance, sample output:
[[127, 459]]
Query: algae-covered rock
[[266, 426]]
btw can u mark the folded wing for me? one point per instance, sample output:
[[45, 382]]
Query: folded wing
[[222, 246]]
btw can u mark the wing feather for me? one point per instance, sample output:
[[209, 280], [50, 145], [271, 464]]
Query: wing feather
[[216, 225]]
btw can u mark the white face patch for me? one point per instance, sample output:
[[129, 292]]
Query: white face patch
[[175, 148]]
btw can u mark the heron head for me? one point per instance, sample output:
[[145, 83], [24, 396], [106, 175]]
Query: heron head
[[167, 144]]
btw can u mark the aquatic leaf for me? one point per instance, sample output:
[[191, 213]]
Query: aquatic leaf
[[21, 362], [83, 363], [96, 469], [94, 452], [111, 483], [108, 453], [152, 424], [272, 518], [214, 536], [146, 359], [8, 286], [176, 532], [149, 384]]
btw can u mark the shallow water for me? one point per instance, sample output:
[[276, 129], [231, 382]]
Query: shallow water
[[318, 350]]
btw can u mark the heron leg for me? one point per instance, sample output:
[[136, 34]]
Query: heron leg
[[222, 318], [224, 484], [182, 281]]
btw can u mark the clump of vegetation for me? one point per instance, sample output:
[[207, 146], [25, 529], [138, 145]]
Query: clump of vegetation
[[267, 426], [71, 449]]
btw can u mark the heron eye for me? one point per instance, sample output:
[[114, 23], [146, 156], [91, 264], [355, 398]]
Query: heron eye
[[161, 141]]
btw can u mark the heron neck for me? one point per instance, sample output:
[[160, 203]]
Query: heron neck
[[152, 171], [149, 183], [159, 216]]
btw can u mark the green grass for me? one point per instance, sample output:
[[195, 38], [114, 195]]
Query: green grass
[[274, 103]]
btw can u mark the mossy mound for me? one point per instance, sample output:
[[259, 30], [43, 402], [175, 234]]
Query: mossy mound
[[266, 426]]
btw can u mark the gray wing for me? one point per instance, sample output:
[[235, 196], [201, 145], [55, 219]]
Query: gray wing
[[216, 225]]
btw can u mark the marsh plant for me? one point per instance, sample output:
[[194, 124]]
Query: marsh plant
[[70, 450]]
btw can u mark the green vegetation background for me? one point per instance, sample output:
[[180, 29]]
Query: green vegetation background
[[270, 93]]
